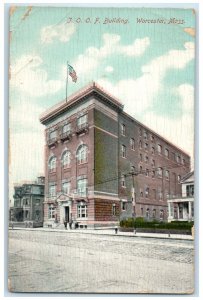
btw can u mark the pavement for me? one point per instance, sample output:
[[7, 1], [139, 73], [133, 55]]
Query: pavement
[[111, 231]]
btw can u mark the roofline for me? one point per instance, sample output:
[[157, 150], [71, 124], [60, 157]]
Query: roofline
[[186, 176], [77, 97], [155, 133]]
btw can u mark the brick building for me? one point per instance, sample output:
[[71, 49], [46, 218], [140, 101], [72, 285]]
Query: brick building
[[28, 202], [102, 165]]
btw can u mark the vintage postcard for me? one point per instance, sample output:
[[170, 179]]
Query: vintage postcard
[[101, 141]]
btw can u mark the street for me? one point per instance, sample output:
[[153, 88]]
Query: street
[[41, 261]]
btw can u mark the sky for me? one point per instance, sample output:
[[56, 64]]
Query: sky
[[149, 66]]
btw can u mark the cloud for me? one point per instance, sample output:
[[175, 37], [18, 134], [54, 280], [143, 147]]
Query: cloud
[[186, 92], [93, 56], [29, 78], [61, 32], [139, 93], [109, 69]]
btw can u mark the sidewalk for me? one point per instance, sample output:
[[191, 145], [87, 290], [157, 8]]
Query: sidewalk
[[111, 232]]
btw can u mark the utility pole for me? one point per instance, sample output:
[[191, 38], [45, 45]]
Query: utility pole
[[133, 174]]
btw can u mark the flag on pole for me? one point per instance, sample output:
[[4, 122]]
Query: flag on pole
[[72, 73]]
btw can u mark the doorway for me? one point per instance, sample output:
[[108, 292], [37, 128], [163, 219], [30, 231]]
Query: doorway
[[67, 214]]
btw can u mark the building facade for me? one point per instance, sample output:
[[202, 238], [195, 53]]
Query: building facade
[[102, 165], [28, 202], [181, 208]]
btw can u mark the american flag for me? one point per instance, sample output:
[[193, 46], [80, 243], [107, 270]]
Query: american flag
[[72, 73]]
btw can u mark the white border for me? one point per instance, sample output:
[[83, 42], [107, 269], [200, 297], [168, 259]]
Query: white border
[[3, 117]]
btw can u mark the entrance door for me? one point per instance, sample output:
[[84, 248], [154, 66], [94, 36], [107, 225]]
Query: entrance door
[[67, 213]]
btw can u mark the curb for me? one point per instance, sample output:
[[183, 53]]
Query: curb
[[105, 234]]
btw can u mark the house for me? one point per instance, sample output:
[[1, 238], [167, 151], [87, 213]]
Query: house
[[182, 208], [102, 165], [28, 202]]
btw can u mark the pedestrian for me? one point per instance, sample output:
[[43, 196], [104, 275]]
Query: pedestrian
[[65, 224], [70, 224], [116, 229]]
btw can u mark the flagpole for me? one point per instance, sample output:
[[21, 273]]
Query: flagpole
[[67, 83]]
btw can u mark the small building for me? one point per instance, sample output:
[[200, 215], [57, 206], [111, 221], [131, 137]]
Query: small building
[[182, 208], [28, 203]]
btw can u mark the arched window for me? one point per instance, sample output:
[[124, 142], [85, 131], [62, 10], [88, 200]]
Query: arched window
[[66, 158], [82, 154], [52, 164]]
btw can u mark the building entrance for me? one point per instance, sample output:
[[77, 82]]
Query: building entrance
[[67, 214]]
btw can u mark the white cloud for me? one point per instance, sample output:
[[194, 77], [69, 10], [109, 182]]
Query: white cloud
[[137, 48], [92, 57], [61, 32], [186, 92], [29, 78], [109, 69], [139, 93]]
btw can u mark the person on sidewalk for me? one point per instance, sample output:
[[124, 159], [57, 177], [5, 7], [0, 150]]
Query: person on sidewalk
[[65, 224], [70, 224]]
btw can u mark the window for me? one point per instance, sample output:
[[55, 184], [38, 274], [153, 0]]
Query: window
[[147, 192], [52, 190], [146, 159], [167, 174], [154, 214], [153, 163], [160, 194], [123, 149], [37, 215], [53, 135], [140, 144], [153, 174], [114, 209], [159, 148], [123, 180], [66, 128], [123, 129], [178, 159], [140, 131], [142, 211], [160, 172], [153, 150], [81, 121], [179, 178], [140, 169], [37, 201], [52, 164], [26, 201], [82, 154], [51, 212], [82, 210], [82, 187], [183, 161], [147, 213], [147, 172], [66, 187], [146, 146], [132, 169], [190, 190], [161, 214], [66, 159], [132, 144], [152, 138], [124, 205], [166, 152], [26, 214], [141, 193], [140, 157], [145, 135]]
